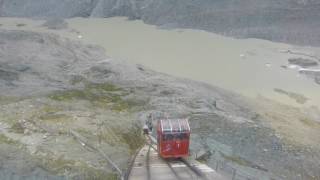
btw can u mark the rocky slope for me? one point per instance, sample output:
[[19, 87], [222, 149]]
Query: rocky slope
[[293, 21], [50, 86]]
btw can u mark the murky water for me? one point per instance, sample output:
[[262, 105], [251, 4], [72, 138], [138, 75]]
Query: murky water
[[250, 67]]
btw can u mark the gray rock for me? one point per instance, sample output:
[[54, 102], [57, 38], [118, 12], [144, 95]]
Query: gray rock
[[50, 8], [303, 62], [56, 23], [8, 75], [312, 74], [277, 20]]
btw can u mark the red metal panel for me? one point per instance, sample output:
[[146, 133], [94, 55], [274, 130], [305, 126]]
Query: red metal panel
[[174, 149]]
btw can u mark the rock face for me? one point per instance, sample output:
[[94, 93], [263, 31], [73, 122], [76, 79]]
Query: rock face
[[51, 8], [278, 20]]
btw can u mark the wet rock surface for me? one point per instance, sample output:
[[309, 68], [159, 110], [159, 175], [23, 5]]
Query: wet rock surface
[[297, 97], [61, 85], [312, 74], [303, 62], [56, 23]]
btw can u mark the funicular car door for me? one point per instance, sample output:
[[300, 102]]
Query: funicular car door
[[168, 146]]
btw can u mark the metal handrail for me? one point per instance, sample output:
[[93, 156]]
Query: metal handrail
[[83, 142]]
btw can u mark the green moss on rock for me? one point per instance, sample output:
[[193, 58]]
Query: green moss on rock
[[238, 160], [8, 99], [75, 169], [52, 117], [99, 95], [310, 122], [20, 25], [68, 95], [5, 140], [17, 127], [105, 87], [133, 138]]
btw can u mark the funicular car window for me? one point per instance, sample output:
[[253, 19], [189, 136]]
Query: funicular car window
[[181, 136], [178, 136], [167, 137]]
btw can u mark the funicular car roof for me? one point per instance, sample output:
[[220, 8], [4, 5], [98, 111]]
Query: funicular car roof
[[174, 125]]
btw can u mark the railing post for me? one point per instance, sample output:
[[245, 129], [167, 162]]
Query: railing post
[[217, 165], [234, 174]]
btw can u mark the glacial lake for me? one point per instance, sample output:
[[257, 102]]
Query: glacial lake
[[250, 67]]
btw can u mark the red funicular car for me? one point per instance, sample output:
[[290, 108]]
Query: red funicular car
[[173, 136]]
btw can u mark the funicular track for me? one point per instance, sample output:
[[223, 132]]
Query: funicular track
[[149, 166]]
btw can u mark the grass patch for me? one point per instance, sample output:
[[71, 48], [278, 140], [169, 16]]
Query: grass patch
[[58, 165], [52, 114], [309, 122], [115, 136], [118, 135], [133, 138], [104, 87], [109, 137], [75, 169], [8, 99], [53, 117], [51, 109], [99, 95], [299, 98], [68, 95], [17, 128], [238, 160], [20, 25], [84, 132], [5, 140]]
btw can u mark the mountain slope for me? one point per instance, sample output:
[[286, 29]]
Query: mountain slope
[[293, 21], [50, 85]]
